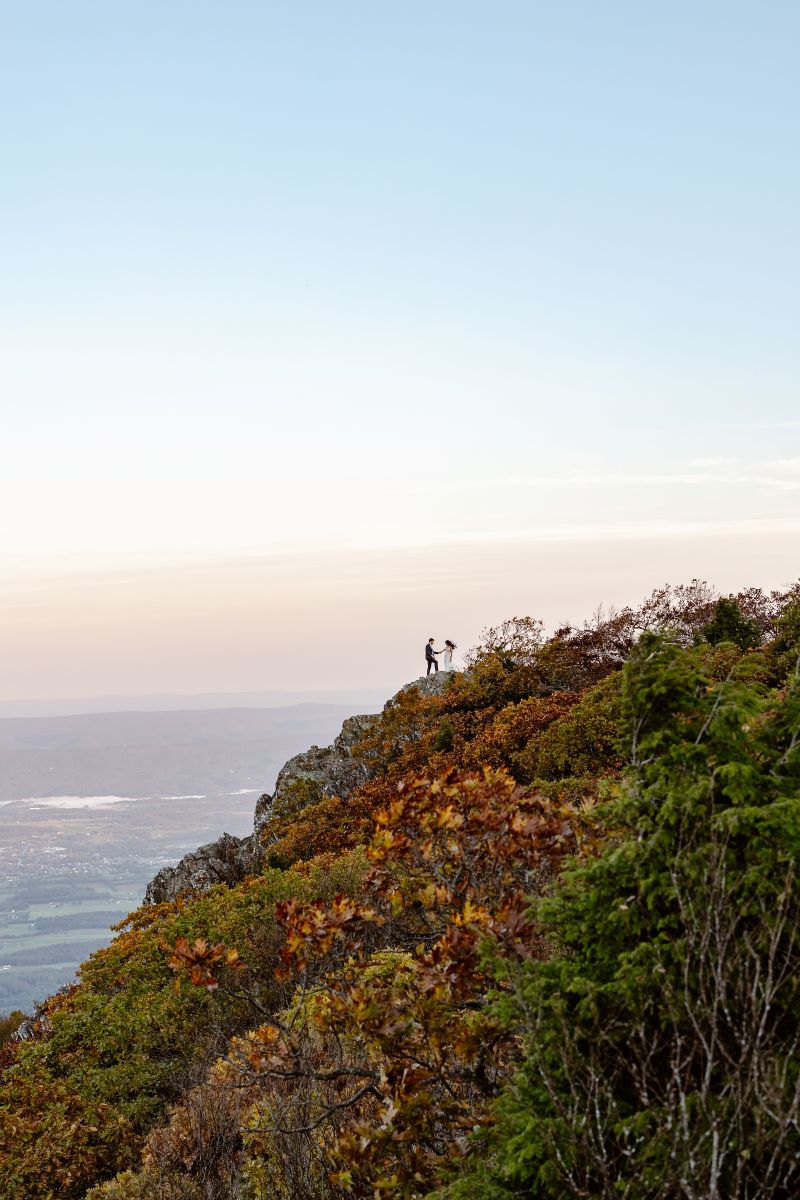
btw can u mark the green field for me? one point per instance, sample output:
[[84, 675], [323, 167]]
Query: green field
[[42, 944]]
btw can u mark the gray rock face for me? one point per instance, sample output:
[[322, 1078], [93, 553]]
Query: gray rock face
[[430, 685], [228, 860], [30, 1026], [318, 772], [328, 771]]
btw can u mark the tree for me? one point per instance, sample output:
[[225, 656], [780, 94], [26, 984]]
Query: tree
[[784, 649], [661, 1043], [729, 624]]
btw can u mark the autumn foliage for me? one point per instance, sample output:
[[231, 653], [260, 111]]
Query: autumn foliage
[[387, 1043], [361, 1018]]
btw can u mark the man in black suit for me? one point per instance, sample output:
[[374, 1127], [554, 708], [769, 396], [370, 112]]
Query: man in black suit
[[430, 657]]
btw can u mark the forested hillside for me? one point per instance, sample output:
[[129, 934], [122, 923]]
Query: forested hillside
[[547, 948]]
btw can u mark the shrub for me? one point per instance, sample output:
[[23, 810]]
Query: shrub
[[783, 653], [10, 1024], [586, 739], [147, 1185], [444, 738], [124, 1044], [299, 794]]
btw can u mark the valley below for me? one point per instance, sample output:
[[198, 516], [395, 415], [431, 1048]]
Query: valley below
[[92, 806]]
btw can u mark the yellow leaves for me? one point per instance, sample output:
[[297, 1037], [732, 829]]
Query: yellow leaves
[[519, 821], [449, 818], [433, 895], [382, 842], [473, 914]]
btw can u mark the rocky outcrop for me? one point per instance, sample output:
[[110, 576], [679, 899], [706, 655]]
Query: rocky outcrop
[[228, 860], [31, 1025], [335, 770], [329, 771], [430, 685]]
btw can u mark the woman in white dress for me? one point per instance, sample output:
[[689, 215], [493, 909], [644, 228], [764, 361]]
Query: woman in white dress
[[447, 663]]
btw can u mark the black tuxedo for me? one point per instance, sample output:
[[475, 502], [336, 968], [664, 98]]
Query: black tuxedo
[[430, 658]]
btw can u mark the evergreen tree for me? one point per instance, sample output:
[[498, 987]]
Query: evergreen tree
[[729, 624], [661, 1043]]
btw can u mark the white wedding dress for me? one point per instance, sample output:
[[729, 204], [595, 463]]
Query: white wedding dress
[[447, 663]]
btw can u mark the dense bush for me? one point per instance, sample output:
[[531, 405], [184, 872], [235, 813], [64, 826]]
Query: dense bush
[[147, 1185], [729, 624]]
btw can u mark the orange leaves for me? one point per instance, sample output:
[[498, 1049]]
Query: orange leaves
[[402, 1045], [387, 1054], [448, 818], [515, 725], [312, 929], [262, 1050], [199, 957], [465, 837]]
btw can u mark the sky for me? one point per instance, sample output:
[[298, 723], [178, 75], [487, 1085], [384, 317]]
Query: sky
[[325, 328]]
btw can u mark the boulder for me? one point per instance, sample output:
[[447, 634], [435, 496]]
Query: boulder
[[430, 685]]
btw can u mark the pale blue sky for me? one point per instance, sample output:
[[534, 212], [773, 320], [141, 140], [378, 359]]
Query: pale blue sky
[[481, 281]]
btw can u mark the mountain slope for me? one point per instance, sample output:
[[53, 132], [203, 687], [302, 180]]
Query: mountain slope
[[350, 1015]]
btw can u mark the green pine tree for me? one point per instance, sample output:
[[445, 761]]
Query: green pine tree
[[662, 1043], [729, 624]]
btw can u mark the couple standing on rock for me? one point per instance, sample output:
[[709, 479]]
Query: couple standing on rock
[[431, 659]]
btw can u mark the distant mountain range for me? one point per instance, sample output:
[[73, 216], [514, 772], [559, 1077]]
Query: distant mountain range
[[356, 699], [144, 753]]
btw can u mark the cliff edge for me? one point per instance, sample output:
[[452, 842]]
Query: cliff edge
[[334, 770]]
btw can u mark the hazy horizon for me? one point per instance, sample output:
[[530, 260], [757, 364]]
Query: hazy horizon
[[351, 653], [164, 702]]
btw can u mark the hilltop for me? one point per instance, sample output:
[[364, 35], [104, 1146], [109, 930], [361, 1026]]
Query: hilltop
[[492, 941]]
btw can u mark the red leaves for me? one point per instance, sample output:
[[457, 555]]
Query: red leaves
[[313, 928], [198, 958], [465, 838], [396, 1052]]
